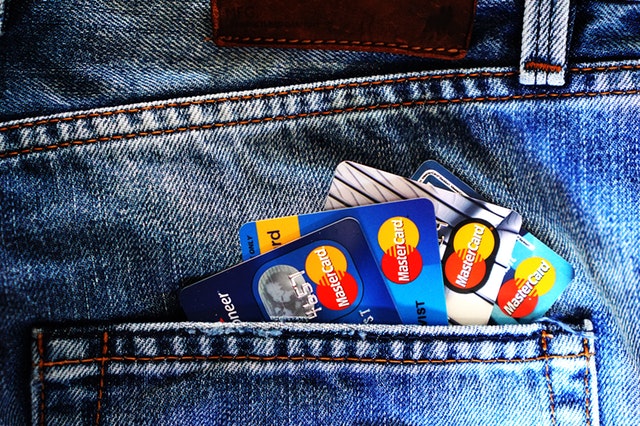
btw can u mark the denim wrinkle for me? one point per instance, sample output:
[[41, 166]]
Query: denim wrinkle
[[188, 133], [146, 147]]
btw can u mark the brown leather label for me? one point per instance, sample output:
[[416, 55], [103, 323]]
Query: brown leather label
[[427, 28]]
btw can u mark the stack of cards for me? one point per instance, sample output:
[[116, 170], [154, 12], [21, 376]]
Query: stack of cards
[[388, 249], [536, 276]]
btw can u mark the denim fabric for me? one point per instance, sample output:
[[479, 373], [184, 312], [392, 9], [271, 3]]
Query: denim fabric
[[65, 55], [266, 374], [2, 7], [109, 207], [545, 30]]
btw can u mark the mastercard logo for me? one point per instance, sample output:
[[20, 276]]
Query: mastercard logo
[[469, 256], [398, 238], [534, 277], [336, 288]]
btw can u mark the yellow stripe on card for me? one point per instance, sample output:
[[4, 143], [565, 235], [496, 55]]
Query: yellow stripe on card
[[272, 233]]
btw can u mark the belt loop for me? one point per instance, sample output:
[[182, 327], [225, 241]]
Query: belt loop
[[545, 34]]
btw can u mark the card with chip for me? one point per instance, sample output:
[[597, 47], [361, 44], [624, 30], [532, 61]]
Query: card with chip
[[402, 237], [328, 275], [476, 238], [537, 275]]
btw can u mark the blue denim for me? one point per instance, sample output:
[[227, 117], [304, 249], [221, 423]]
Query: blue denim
[[132, 150], [543, 57], [266, 374]]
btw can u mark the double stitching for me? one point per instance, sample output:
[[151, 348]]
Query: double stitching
[[102, 360], [261, 96], [545, 337], [90, 141], [328, 338], [41, 375], [306, 358], [447, 76], [545, 355]]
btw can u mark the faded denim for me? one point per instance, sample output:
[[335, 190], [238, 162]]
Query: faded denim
[[132, 150]]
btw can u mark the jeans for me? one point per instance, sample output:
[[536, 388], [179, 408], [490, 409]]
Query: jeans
[[133, 149]]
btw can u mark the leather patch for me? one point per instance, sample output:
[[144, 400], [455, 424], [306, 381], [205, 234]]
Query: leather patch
[[426, 28]]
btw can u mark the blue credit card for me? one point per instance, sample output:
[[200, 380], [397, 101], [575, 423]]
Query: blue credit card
[[537, 275], [476, 238], [402, 237], [328, 275]]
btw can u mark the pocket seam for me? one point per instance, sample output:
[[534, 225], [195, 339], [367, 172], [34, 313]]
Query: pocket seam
[[105, 341], [126, 111], [293, 358], [330, 87], [41, 411], [546, 357], [543, 343], [280, 118], [587, 377]]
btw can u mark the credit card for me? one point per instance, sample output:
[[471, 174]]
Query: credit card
[[329, 275], [436, 174], [402, 237], [476, 238], [537, 275]]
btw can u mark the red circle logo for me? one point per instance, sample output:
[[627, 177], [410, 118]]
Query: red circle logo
[[469, 256], [398, 238], [337, 294], [327, 267], [456, 267], [514, 302], [402, 264]]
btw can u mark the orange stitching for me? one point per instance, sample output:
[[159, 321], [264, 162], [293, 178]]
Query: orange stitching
[[607, 68], [237, 39], [587, 390], [31, 150], [259, 358], [544, 337], [541, 66], [300, 91], [259, 96], [41, 376], [105, 340]]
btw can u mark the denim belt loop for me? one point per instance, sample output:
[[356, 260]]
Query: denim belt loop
[[543, 59]]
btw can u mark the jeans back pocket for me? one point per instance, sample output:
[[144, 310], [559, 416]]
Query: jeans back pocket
[[329, 374]]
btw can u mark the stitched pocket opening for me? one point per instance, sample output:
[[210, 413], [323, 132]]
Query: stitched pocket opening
[[237, 372]]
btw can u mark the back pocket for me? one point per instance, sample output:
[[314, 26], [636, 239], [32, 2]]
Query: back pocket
[[299, 374]]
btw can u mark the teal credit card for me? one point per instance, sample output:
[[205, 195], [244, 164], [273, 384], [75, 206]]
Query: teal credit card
[[402, 237]]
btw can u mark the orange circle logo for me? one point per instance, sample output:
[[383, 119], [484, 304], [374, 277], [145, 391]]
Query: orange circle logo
[[336, 288], [398, 238]]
